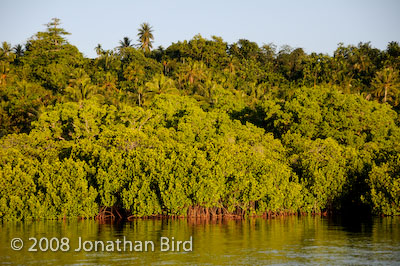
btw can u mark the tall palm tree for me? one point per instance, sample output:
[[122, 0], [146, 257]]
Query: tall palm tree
[[125, 42], [386, 84], [145, 37]]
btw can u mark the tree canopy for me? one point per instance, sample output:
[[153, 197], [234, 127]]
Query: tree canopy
[[200, 128]]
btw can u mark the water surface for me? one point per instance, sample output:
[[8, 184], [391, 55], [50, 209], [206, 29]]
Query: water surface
[[280, 241]]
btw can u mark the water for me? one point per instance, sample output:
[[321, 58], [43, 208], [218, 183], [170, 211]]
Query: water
[[281, 241]]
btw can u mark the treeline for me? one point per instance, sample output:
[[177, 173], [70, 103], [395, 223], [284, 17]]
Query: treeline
[[200, 128]]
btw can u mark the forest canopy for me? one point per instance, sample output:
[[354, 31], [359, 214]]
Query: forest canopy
[[200, 128]]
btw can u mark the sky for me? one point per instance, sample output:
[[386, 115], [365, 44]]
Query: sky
[[316, 26]]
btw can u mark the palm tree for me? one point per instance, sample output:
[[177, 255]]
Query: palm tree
[[386, 83], [161, 84], [109, 82], [18, 50], [5, 50], [80, 87], [231, 66], [193, 72], [4, 70], [124, 43], [99, 49], [145, 37], [140, 92]]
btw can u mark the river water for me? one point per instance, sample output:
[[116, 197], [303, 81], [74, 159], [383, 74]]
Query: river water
[[280, 241]]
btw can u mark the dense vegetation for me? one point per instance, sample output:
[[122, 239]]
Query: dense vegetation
[[199, 128]]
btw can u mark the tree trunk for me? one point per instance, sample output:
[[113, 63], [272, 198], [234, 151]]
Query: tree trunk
[[385, 97]]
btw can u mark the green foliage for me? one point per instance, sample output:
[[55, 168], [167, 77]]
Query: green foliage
[[202, 127], [51, 58], [32, 187], [384, 184], [145, 37], [321, 164], [322, 113]]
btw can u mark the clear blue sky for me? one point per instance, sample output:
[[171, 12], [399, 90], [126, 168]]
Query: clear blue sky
[[314, 25]]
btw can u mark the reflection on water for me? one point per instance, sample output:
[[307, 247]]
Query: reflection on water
[[283, 241]]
